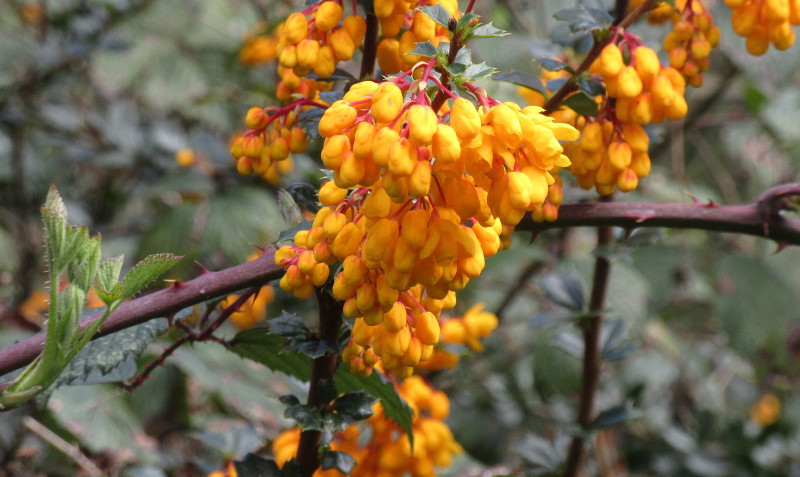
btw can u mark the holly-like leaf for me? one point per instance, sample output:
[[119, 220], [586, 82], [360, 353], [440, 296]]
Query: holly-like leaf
[[523, 79], [288, 234], [146, 271], [307, 417], [465, 20], [266, 348], [341, 461], [583, 19], [479, 70], [425, 48], [581, 103], [486, 31], [438, 14], [256, 466], [356, 404], [456, 69], [464, 56], [289, 325]]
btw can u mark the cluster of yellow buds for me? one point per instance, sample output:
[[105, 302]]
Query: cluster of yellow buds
[[466, 330], [253, 311], [388, 450], [765, 21], [319, 37], [269, 139], [428, 204], [259, 47], [691, 40], [645, 90], [394, 15]]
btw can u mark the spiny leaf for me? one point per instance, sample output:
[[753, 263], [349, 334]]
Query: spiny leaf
[[583, 19], [307, 417], [425, 48], [146, 271], [289, 325], [465, 20], [256, 466], [486, 31], [438, 14], [356, 404], [341, 461], [264, 347], [479, 70]]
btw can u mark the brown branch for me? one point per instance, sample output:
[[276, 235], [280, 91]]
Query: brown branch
[[370, 50], [591, 326], [159, 304], [455, 45], [322, 370]]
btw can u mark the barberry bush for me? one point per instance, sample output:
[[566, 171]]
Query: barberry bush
[[400, 237]]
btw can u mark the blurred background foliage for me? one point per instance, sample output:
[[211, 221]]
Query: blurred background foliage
[[702, 340]]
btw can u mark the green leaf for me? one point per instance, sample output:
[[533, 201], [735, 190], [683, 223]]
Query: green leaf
[[305, 195], [456, 69], [82, 269], [480, 70], [111, 358], [356, 404], [288, 234], [341, 461], [289, 399], [465, 21], [290, 210], [583, 19], [564, 288], [591, 86], [256, 466], [551, 64], [146, 271], [464, 56], [754, 99], [486, 31], [67, 323], [307, 417], [54, 219], [376, 384], [289, 325], [264, 347], [438, 14], [523, 79], [610, 417], [425, 48], [581, 103], [106, 281]]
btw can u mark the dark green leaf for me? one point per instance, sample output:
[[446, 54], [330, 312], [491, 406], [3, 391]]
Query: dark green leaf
[[556, 84], [313, 348], [465, 20], [551, 64], [583, 19], [305, 195], [591, 86], [340, 461], [146, 271], [330, 97], [111, 358], [289, 233], [289, 325], [486, 31], [256, 466], [614, 335], [309, 121], [522, 79], [264, 347], [437, 14], [425, 48], [289, 399], [581, 103], [356, 404], [307, 417], [610, 417], [754, 98], [376, 384], [456, 68], [564, 288]]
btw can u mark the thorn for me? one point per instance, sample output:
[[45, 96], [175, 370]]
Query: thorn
[[711, 204], [175, 283], [203, 270], [627, 233], [260, 248], [765, 226], [695, 200], [534, 236], [781, 246]]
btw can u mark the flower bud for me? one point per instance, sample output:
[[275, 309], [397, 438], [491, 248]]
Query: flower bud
[[328, 15]]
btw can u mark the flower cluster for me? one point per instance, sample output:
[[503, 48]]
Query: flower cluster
[[253, 311], [319, 37], [765, 22], [691, 40], [388, 450], [466, 330], [419, 199], [402, 27]]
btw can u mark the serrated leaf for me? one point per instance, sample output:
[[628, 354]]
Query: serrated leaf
[[288, 234], [425, 48], [256, 466], [356, 404], [313, 348], [465, 20], [565, 289], [438, 14], [289, 325], [289, 209], [307, 417], [551, 64], [591, 86], [146, 271], [583, 19], [309, 121], [456, 69], [610, 417], [106, 280], [341, 461], [111, 358], [486, 31], [581, 103], [264, 347], [523, 79], [82, 269], [464, 56], [305, 195], [376, 384], [479, 70]]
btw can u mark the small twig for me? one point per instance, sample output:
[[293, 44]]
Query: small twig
[[591, 326], [190, 337], [70, 450]]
